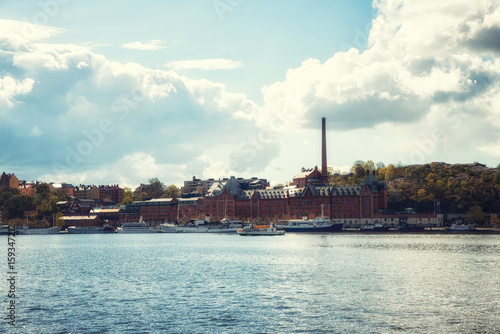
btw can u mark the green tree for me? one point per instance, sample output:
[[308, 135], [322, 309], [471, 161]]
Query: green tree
[[48, 207], [358, 170], [155, 188], [172, 192], [17, 204], [128, 196], [42, 191]]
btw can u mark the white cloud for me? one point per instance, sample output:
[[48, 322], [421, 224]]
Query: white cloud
[[213, 169], [82, 65], [206, 64], [10, 87], [153, 45], [430, 72], [414, 66], [89, 113], [16, 32]]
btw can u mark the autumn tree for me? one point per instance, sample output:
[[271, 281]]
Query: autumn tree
[[494, 220], [172, 192], [128, 196], [369, 165]]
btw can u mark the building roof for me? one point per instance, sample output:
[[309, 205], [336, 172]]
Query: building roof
[[305, 172], [89, 217]]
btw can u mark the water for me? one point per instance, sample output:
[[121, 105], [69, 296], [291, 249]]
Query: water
[[201, 283]]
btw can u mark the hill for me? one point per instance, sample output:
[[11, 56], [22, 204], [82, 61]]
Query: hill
[[438, 185]]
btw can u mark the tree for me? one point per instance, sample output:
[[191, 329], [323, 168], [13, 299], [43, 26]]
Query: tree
[[42, 191], [48, 207], [476, 216], [422, 195], [358, 170], [369, 165], [128, 196], [172, 192], [379, 165], [17, 204], [155, 188], [494, 221]]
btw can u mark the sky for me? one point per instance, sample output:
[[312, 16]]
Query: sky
[[119, 92]]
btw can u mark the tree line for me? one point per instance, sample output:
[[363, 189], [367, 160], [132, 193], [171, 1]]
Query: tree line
[[44, 208], [459, 188]]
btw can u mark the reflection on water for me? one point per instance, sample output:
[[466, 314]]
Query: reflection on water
[[299, 283]]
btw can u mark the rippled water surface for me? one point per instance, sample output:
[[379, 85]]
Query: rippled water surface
[[201, 283]]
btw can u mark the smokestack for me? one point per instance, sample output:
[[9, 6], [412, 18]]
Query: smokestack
[[324, 168]]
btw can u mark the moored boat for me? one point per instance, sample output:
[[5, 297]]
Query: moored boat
[[26, 230], [201, 226], [4, 230], [455, 228], [91, 229], [406, 227], [138, 227], [260, 230], [315, 225], [377, 227]]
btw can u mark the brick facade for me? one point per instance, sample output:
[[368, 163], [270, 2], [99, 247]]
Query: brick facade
[[229, 200]]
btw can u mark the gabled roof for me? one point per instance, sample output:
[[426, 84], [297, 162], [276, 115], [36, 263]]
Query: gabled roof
[[304, 173], [346, 190], [232, 186]]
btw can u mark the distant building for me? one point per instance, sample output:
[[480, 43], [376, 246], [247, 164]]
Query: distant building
[[27, 189], [9, 181], [111, 193], [306, 177], [201, 187], [77, 207], [90, 220], [228, 199], [68, 189], [86, 192], [140, 189], [309, 195]]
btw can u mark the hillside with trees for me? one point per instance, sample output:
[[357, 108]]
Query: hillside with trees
[[457, 188]]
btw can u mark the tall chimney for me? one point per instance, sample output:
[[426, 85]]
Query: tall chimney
[[324, 168]]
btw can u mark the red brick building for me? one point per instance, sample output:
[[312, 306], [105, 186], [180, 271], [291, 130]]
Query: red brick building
[[9, 181], [310, 196], [229, 200], [112, 193]]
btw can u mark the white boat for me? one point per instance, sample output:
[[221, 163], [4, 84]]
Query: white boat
[[201, 226], [315, 225], [376, 227], [26, 230], [91, 229], [260, 230], [4, 230], [460, 228], [138, 227]]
